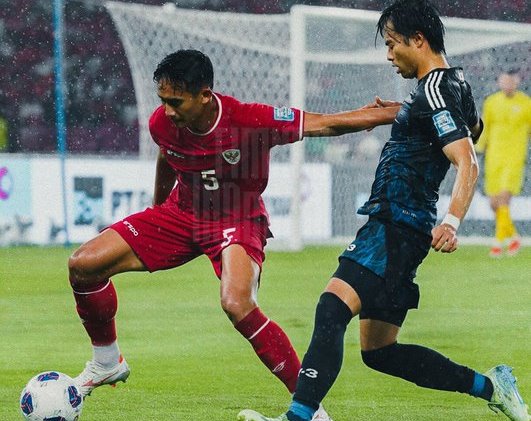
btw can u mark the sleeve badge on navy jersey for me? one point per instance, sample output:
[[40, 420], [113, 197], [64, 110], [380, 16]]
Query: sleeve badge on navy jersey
[[283, 114], [444, 123], [232, 156]]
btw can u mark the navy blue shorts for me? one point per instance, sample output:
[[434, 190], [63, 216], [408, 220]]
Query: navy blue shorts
[[381, 265]]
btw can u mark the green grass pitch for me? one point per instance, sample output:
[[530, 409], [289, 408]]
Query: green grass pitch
[[188, 363]]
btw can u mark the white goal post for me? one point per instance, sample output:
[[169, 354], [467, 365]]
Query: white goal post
[[320, 59]]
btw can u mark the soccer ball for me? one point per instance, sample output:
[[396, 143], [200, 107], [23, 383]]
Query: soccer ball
[[51, 396]]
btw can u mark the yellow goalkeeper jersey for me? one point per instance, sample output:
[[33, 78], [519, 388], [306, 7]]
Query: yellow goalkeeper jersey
[[504, 140], [507, 123]]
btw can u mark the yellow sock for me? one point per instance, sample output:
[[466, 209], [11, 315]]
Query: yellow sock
[[504, 224]]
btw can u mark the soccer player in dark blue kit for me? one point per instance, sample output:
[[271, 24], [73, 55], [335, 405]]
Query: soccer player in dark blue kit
[[435, 127]]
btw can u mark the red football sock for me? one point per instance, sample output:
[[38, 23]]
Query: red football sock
[[97, 305], [272, 346]]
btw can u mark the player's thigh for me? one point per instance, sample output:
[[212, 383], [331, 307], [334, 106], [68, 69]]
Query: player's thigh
[[105, 255], [239, 274], [375, 334], [215, 239]]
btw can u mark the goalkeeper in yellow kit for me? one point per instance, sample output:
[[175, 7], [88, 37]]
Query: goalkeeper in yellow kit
[[507, 120]]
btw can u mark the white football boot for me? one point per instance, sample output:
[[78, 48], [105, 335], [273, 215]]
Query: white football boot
[[506, 397], [94, 375], [250, 415], [321, 415]]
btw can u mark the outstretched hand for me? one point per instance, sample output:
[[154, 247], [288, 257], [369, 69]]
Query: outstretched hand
[[380, 103], [444, 238], [373, 104], [384, 103]]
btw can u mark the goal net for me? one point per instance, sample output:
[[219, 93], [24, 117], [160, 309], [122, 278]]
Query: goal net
[[321, 59]]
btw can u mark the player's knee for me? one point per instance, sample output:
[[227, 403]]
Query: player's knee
[[378, 359], [237, 306], [82, 267]]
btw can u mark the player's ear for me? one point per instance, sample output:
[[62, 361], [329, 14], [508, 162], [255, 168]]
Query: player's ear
[[418, 39], [206, 95]]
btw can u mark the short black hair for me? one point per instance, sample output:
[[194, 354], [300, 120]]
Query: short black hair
[[190, 70], [411, 16]]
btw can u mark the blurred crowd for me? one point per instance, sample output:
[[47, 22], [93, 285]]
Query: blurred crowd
[[100, 102]]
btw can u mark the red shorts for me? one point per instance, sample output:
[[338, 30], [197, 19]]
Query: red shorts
[[165, 237]]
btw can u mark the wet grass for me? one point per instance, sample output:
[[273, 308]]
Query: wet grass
[[188, 363]]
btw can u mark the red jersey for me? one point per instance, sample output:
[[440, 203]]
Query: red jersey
[[221, 174]]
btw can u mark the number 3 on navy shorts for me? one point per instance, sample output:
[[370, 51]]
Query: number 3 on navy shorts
[[227, 236]]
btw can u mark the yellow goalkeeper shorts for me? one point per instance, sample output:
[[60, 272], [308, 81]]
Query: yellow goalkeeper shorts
[[504, 178]]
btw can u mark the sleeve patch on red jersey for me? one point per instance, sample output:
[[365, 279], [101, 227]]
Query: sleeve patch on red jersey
[[283, 114]]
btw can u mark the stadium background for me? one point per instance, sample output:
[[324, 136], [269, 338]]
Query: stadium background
[[100, 97], [101, 111]]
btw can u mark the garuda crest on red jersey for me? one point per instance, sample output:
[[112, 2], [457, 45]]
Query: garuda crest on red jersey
[[232, 156]]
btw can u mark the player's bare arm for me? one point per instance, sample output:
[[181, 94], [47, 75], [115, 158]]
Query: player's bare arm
[[316, 125], [461, 154], [164, 180]]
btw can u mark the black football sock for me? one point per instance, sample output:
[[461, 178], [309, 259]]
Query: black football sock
[[422, 366], [324, 357]]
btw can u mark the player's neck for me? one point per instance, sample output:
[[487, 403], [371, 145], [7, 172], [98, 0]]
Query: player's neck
[[208, 117], [431, 62]]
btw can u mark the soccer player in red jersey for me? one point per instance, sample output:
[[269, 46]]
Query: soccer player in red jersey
[[211, 170]]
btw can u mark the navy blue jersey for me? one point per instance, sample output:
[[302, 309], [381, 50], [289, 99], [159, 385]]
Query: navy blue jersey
[[412, 165]]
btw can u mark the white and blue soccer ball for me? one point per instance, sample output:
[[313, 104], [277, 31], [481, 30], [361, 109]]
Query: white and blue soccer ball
[[51, 396]]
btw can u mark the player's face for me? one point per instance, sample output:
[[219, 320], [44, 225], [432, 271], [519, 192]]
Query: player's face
[[508, 83], [182, 107], [400, 53]]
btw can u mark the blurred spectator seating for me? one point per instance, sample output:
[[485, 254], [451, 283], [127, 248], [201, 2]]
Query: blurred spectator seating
[[100, 98]]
